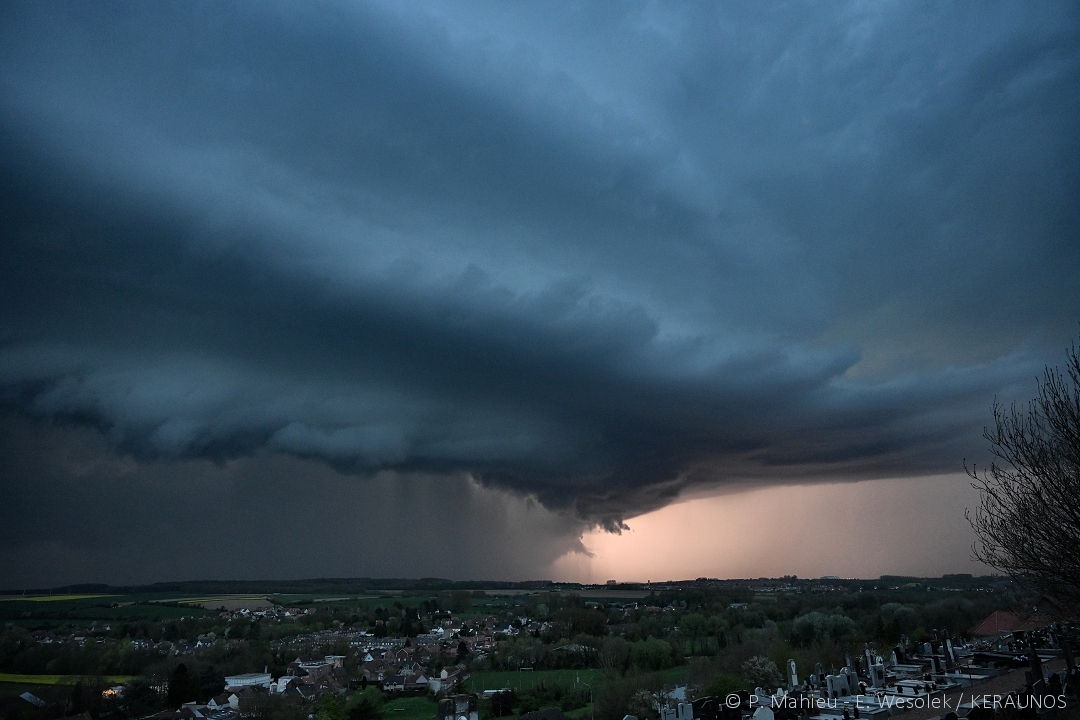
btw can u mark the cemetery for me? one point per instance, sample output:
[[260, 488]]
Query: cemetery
[[934, 679]]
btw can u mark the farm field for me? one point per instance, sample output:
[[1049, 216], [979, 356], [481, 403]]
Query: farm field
[[229, 602], [410, 708], [60, 679], [51, 598], [524, 680], [498, 679]]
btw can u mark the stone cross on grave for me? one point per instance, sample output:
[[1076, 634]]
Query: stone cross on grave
[[844, 682], [793, 675]]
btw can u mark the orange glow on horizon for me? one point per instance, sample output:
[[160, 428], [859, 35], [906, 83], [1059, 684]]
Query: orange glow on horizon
[[907, 526]]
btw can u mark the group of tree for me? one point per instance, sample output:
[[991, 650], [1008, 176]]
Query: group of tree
[[1028, 520]]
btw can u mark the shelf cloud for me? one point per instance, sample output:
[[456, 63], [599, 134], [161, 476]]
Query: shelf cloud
[[590, 257]]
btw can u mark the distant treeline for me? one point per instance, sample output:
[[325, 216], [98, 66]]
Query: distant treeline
[[322, 586], [353, 586]]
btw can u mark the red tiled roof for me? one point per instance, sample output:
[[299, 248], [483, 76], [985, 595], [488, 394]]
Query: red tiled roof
[[1002, 621]]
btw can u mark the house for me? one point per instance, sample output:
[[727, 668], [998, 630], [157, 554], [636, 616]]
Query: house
[[250, 700], [221, 701], [262, 679], [457, 707], [374, 671], [299, 692], [410, 668], [310, 671], [1002, 622], [282, 683], [33, 699], [447, 679]]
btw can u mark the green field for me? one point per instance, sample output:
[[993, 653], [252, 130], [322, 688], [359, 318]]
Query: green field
[[581, 713], [411, 708], [496, 680], [61, 679], [213, 598], [51, 598]]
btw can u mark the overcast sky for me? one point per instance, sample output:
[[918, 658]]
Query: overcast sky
[[407, 288]]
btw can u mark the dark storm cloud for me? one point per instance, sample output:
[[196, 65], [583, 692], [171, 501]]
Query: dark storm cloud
[[91, 515], [592, 254]]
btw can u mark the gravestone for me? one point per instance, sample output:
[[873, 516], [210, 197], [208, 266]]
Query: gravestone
[[793, 675], [1070, 662], [764, 712], [852, 681], [1036, 665], [1054, 685]]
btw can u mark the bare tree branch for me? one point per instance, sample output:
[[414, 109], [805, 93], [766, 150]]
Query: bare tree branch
[[1027, 523]]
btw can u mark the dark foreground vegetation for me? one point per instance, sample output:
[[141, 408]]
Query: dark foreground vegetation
[[599, 652]]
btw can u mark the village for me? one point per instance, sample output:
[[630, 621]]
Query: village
[[697, 650]]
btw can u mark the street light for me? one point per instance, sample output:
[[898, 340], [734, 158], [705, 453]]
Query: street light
[[592, 710]]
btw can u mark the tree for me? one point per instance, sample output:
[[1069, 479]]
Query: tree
[[579, 620], [460, 601], [723, 685], [694, 625], [615, 654], [1027, 524], [183, 686], [819, 627], [365, 705], [762, 673], [211, 683]]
